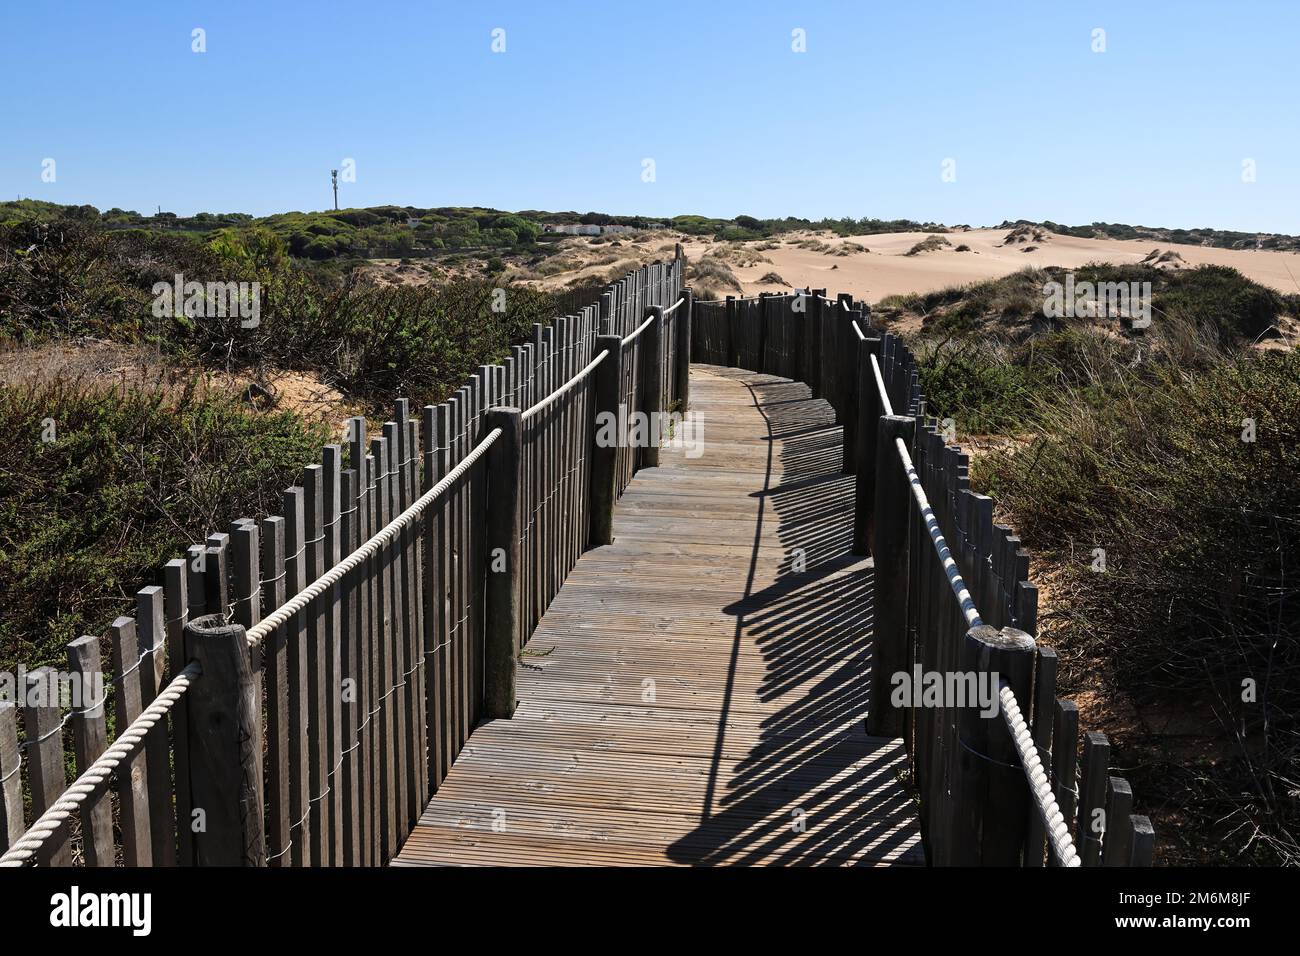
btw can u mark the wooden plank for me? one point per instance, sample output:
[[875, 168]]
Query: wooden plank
[[1065, 742], [674, 709], [1044, 699], [332, 473], [384, 642], [11, 784], [295, 580], [349, 691], [317, 728], [176, 604], [46, 774], [370, 663], [1117, 846], [132, 773], [275, 657], [151, 622], [90, 739], [1092, 797]]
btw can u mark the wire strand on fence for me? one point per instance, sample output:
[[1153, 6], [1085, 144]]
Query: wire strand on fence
[[383, 537], [1058, 831], [128, 742]]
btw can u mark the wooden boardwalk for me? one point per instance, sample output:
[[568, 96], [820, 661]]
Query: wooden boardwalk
[[695, 693]]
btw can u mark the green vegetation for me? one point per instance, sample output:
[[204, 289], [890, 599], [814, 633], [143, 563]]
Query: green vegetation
[[1190, 482], [97, 490], [928, 244], [1176, 452], [131, 478], [377, 232], [371, 342], [1219, 238]]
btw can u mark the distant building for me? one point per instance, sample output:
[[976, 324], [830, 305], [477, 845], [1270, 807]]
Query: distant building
[[578, 229]]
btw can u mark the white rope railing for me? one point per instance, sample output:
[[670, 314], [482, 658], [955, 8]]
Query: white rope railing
[[381, 538], [566, 387], [631, 337], [887, 407], [673, 308], [1058, 831], [94, 776], [955, 580]]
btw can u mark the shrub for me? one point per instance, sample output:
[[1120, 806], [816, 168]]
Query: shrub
[[129, 479]]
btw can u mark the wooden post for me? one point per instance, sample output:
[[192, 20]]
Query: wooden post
[[46, 772], [90, 739], [225, 746], [604, 453], [991, 796], [889, 645], [502, 563], [652, 373], [732, 350], [683, 339], [11, 784], [1093, 774], [1117, 844], [869, 412]]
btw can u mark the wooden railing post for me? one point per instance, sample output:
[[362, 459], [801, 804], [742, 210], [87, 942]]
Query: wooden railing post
[[652, 374], [502, 593], [869, 412], [225, 747], [604, 453], [892, 511], [991, 796], [683, 357], [732, 350], [849, 381]]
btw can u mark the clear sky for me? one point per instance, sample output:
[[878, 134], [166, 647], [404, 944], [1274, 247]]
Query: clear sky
[[1154, 130]]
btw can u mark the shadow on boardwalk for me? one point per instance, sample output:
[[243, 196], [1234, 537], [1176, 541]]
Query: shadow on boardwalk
[[815, 788]]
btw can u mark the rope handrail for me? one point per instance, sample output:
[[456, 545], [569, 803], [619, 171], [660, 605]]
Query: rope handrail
[[94, 776], [673, 308], [955, 580], [566, 387], [1058, 831], [380, 539], [631, 337], [885, 404]]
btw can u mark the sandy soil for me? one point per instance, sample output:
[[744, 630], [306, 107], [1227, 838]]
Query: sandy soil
[[807, 259]]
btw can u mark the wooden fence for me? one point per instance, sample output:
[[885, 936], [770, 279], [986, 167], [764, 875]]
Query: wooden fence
[[298, 686], [952, 598]]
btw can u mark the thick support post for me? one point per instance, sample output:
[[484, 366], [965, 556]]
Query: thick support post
[[604, 452], [652, 374], [502, 591], [224, 740], [991, 795], [869, 412], [892, 510], [683, 357]]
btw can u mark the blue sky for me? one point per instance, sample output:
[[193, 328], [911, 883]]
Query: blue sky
[[1152, 131]]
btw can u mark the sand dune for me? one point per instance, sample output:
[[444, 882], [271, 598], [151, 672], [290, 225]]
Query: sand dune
[[884, 267], [887, 270]]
